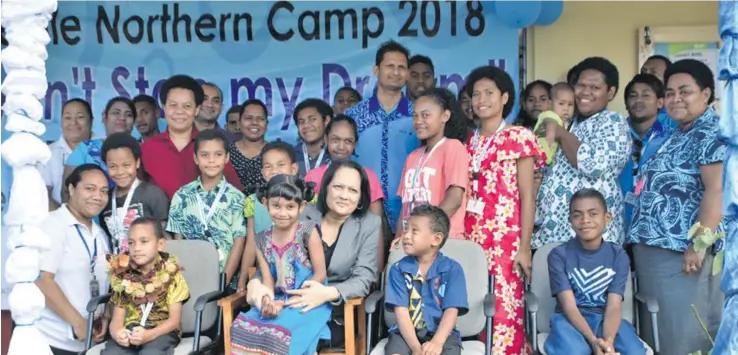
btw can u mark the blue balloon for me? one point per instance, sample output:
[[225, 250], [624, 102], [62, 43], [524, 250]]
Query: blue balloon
[[517, 14], [550, 12], [488, 8]]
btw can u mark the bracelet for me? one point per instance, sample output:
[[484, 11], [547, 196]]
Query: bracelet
[[702, 237], [338, 301]]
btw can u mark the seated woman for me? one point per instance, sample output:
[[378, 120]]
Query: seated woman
[[290, 255], [350, 241], [342, 136]]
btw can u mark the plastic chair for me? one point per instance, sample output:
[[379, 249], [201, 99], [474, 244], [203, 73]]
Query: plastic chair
[[541, 304], [480, 293], [199, 260]]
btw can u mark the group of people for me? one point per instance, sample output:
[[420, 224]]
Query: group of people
[[637, 194]]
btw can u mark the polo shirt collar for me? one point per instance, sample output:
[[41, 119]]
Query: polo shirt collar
[[403, 106], [69, 219], [165, 136], [62, 144], [410, 266]]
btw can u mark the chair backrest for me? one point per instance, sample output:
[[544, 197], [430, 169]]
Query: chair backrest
[[199, 259], [473, 261], [541, 287]]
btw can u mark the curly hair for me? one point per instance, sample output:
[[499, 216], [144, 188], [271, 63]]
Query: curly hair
[[501, 79], [456, 127], [700, 72]]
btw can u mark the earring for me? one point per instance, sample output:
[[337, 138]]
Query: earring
[[359, 206]]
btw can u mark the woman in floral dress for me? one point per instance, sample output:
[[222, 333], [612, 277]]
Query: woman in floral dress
[[501, 209]]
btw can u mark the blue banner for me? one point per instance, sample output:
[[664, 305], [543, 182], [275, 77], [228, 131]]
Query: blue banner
[[280, 52]]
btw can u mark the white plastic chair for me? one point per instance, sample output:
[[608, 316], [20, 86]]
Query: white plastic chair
[[541, 304]]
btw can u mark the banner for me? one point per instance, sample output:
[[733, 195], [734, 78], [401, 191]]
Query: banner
[[280, 52]]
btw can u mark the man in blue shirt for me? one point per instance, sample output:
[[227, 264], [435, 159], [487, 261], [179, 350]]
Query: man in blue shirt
[[385, 121], [426, 290], [588, 278], [644, 98]]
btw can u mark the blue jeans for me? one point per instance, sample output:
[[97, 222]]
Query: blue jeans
[[567, 340]]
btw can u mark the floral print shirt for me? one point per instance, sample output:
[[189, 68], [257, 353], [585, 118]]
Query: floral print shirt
[[672, 187], [605, 147], [227, 223]]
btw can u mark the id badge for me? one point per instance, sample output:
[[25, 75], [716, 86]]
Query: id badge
[[475, 206], [94, 287], [630, 198]]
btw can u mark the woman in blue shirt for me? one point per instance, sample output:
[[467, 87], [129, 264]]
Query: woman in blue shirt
[[118, 117], [678, 188]]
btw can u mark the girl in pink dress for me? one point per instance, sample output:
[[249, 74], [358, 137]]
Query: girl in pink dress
[[500, 211]]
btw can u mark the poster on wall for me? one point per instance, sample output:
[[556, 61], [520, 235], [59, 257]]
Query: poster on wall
[[706, 52], [279, 52]]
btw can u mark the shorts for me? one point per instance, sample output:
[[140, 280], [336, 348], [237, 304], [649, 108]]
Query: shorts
[[396, 344]]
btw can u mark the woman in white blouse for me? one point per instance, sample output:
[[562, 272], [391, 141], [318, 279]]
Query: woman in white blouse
[[76, 125], [73, 269]]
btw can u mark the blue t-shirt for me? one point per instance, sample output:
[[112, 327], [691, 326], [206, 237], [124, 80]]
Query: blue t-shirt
[[444, 287], [590, 274]]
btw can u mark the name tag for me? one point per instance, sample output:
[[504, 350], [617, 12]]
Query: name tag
[[475, 206], [630, 198]]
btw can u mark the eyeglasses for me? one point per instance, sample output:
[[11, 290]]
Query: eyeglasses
[[637, 150]]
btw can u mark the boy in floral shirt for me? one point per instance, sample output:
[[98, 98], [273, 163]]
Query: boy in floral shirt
[[210, 208], [148, 292]]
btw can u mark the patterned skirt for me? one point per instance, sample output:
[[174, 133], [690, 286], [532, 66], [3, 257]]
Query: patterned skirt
[[291, 333]]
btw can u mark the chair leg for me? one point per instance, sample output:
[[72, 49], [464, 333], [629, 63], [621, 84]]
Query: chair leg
[[227, 321], [349, 329], [534, 333], [362, 329], [655, 327]]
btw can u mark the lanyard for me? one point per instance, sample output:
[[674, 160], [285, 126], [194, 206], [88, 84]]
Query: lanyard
[[119, 220], [204, 219], [644, 147], [479, 155], [418, 166], [306, 158], [92, 255], [145, 311]]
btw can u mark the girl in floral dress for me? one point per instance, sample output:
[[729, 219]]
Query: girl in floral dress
[[500, 211], [288, 254]]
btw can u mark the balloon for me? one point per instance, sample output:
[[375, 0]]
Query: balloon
[[550, 12], [517, 14], [488, 8]]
